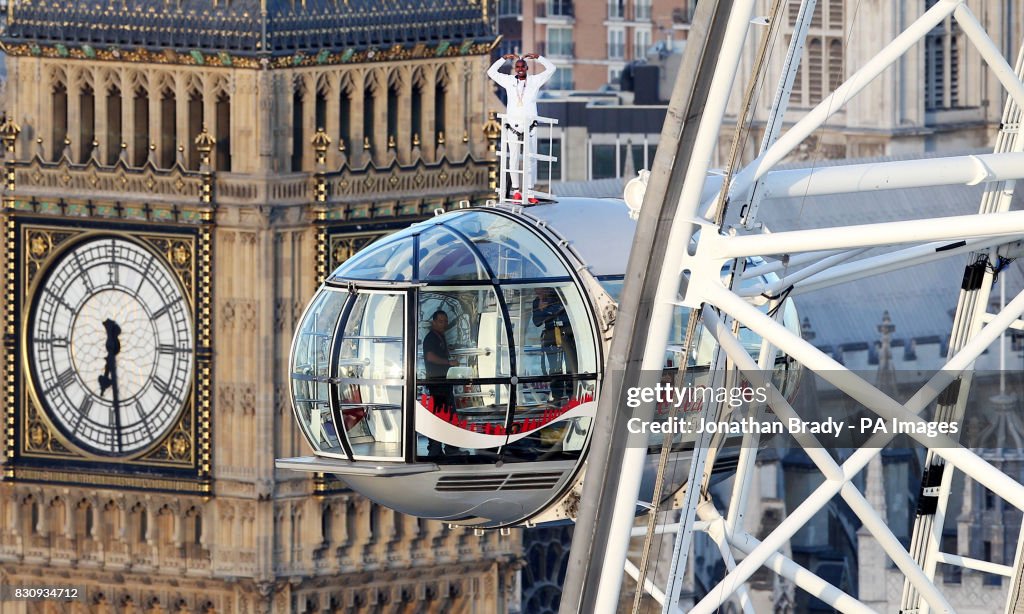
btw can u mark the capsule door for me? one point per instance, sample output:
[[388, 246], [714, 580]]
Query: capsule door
[[371, 366]]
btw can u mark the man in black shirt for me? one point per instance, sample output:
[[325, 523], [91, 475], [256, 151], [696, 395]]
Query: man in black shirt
[[436, 360], [557, 340]]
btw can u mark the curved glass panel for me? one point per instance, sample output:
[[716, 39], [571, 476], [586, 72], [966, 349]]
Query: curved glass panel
[[310, 370], [554, 427], [511, 251], [444, 256], [371, 374], [545, 318], [465, 422], [474, 334], [387, 260], [462, 339]]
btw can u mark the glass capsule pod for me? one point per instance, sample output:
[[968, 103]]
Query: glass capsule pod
[[451, 370]]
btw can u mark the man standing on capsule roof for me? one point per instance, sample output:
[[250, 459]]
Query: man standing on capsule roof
[[521, 113]]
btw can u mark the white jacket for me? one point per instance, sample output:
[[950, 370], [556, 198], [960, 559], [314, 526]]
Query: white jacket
[[522, 95]]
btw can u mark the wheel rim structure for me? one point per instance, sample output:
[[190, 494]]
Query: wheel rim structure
[[691, 277]]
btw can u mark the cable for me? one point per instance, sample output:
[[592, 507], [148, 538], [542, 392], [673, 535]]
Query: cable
[[781, 297]]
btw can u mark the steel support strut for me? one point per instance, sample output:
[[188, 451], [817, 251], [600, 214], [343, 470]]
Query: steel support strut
[[598, 554]]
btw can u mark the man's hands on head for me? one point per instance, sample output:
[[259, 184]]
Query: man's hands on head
[[512, 56]]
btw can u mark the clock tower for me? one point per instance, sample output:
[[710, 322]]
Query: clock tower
[[178, 179]]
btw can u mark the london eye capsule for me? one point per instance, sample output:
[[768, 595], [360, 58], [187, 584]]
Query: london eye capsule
[[451, 370]]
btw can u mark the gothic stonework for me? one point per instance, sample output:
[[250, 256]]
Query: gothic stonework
[[109, 140]]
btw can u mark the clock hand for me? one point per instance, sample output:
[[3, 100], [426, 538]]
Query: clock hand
[[109, 377]]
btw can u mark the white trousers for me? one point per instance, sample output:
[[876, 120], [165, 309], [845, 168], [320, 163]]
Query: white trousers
[[514, 150]]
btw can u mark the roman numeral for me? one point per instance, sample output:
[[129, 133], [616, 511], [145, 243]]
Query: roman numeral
[[145, 275], [160, 385], [64, 379], [83, 412], [60, 299], [84, 274], [163, 310], [164, 348]]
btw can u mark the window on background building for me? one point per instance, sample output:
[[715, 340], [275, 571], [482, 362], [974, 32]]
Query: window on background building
[[836, 70], [835, 14], [942, 61], [196, 123], [114, 132], [637, 152], [559, 43], [87, 123], [641, 42], [614, 76], [602, 161], [509, 45], [140, 119], [297, 100], [828, 14], [562, 80], [222, 111], [560, 8], [821, 71], [643, 10], [392, 111], [990, 500], [552, 148], [823, 66], [616, 9], [59, 121], [168, 127], [368, 114], [440, 108], [951, 574], [986, 555], [509, 7], [416, 114], [684, 14], [616, 44], [814, 69]]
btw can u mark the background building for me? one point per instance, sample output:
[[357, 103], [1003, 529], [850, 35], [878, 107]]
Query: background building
[[590, 42], [202, 166], [946, 100]]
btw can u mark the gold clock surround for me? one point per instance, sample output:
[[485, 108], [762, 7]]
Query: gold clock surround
[[184, 449]]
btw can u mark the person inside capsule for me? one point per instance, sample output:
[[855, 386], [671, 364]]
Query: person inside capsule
[[465, 368], [557, 340], [437, 361]]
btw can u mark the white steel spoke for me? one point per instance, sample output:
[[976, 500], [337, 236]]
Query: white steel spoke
[[893, 261], [798, 260], [897, 175], [812, 259], [956, 227], [797, 276]]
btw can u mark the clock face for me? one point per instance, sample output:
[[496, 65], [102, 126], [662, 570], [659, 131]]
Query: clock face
[[111, 346]]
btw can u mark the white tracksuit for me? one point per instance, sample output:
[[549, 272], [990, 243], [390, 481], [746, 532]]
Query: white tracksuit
[[521, 111]]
